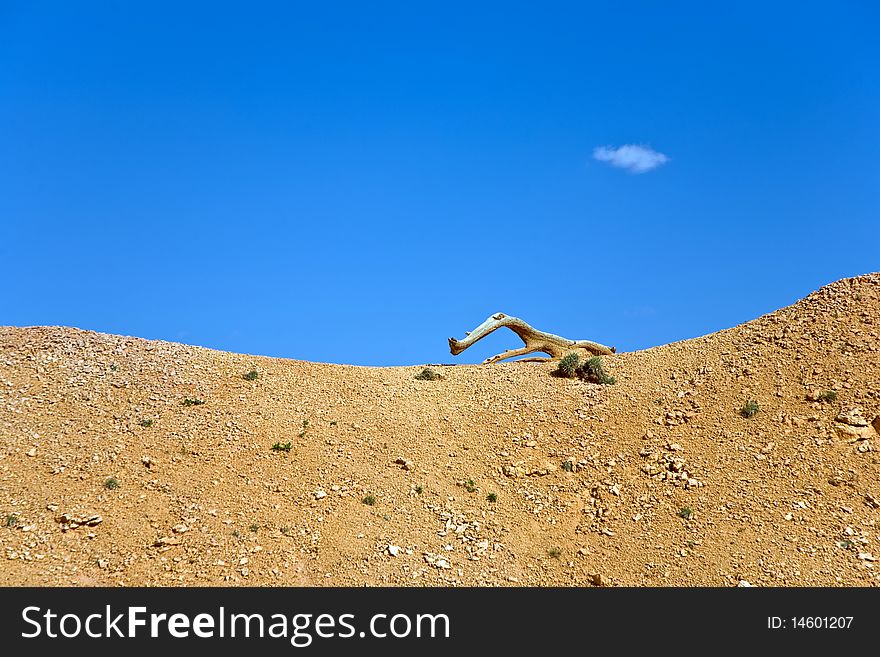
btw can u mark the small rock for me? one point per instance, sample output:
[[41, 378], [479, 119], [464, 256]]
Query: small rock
[[866, 556], [853, 417], [320, 495], [544, 470], [872, 501], [512, 471], [404, 463], [147, 461], [393, 550], [854, 433], [597, 579], [180, 529], [32, 451], [743, 584]]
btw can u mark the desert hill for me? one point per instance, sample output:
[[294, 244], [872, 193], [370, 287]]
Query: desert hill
[[113, 473]]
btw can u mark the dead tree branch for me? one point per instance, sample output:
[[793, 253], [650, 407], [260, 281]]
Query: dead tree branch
[[535, 341]]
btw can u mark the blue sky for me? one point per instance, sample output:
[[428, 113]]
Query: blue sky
[[355, 182]]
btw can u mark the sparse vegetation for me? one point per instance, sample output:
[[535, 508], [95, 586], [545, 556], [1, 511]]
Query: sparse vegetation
[[111, 483], [235, 534], [568, 465], [591, 370], [189, 401], [749, 409], [492, 497], [254, 528], [285, 531], [594, 372], [827, 396], [420, 489], [369, 500], [568, 366], [252, 375], [427, 374], [147, 422], [470, 486], [555, 552], [11, 520], [114, 367], [278, 447], [686, 512], [305, 426]]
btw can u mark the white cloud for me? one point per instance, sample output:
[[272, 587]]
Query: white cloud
[[633, 158]]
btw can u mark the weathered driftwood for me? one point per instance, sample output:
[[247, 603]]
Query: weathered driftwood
[[554, 345]]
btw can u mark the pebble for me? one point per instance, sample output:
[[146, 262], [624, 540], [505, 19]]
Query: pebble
[[320, 495], [393, 550], [597, 579]]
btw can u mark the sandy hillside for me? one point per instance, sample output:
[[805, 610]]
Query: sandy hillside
[[657, 480]]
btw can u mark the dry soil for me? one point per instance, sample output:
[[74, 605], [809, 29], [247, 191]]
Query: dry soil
[[491, 475]]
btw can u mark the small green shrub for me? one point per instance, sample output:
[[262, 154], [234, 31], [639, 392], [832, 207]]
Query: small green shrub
[[686, 512], [827, 396], [253, 375], [278, 447], [112, 483], [427, 374], [568, 465], [11, 520], [420, 489], [188, 401], [492, 497], [147, 422], [470, 486], [593, 371], [254, 528], [114, 367], [555, 552], [749, 409], [369, 500], [568, 366]]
